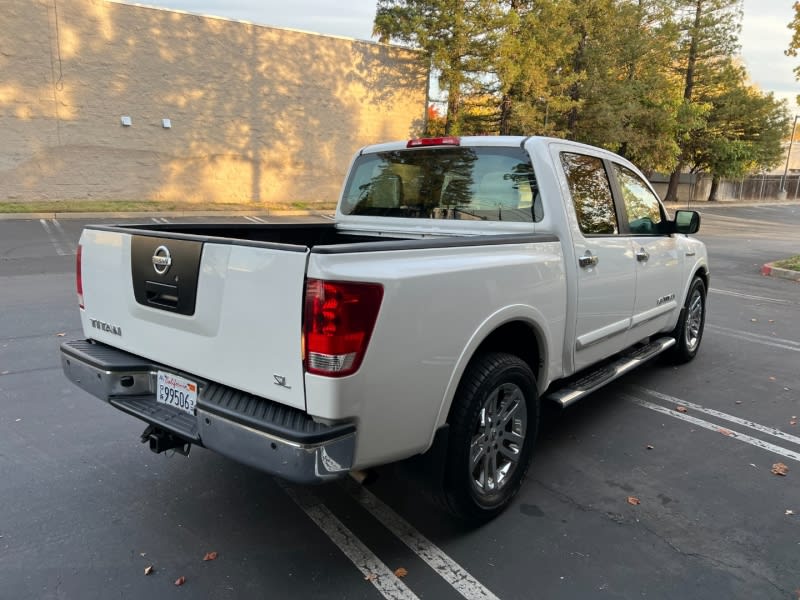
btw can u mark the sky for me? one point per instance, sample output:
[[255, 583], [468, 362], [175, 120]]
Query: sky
[[763, 39]]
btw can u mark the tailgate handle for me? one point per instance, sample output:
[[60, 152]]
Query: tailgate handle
[[161, 294]]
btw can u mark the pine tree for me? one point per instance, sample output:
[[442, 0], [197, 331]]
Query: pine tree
[[456, 35], [534, 44], [709, 30]]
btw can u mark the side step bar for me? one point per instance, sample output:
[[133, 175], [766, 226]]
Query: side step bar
[[599, 377]]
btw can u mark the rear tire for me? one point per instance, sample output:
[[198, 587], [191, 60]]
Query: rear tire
[[688, 333], [493, 425]]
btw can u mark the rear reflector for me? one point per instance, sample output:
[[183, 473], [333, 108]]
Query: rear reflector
[[79, 275], [437, 141], [337, 323]]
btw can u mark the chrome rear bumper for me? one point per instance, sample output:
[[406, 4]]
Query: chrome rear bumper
[[255, 431]]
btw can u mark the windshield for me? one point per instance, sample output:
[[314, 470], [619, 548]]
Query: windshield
[[486, 183]]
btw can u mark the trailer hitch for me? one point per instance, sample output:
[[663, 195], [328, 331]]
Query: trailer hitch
[[161, 441]]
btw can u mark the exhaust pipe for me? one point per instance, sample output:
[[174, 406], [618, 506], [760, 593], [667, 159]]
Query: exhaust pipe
[[161, 441]]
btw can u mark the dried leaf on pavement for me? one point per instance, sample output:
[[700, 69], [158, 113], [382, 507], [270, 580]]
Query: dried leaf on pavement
[[649, 447], [180, 580], [400, 572], [789, 512], [727, 432], [210, 556], [780, 469], [681, 409], [148, 569], [634, 500], [370, 577], [60, 334], [793, 422]]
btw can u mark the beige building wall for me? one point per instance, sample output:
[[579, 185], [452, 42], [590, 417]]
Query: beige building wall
[[258, 113]]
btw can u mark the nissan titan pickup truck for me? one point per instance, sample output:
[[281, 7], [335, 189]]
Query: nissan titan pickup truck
[[463, 282]]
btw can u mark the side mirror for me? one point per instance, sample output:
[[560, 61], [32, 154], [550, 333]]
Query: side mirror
[[687, 221]]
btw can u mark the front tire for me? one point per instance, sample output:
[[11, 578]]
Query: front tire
[[493, 425], [688, 333]]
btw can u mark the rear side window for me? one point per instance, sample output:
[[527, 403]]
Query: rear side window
[[488, 184], [641, 205], [591, 193]]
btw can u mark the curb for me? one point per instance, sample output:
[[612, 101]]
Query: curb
[[174, 213], [769, 270]]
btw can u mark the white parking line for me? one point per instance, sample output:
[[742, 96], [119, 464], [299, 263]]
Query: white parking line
[[720, 415], [54, 239], [254, 219], [154, 220], [373, 568], [750, 297], [773, 342], [671, 412], [72, 247], [448, 569], [329, 217]]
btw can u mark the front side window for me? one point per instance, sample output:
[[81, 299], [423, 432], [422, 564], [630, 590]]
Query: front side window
[[641, 204], [473, 183], [591, 193]]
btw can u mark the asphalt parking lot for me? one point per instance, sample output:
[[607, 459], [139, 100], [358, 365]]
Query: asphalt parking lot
[[85, 507]]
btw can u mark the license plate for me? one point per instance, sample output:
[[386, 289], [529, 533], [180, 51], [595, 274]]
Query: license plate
[[176, 391]]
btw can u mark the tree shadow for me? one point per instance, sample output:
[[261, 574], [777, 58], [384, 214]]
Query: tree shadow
[[257, 113]]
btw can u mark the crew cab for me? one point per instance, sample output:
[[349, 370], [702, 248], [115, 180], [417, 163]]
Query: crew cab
[[463, 282]]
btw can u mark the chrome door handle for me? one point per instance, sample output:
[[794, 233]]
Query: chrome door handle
[[642, 255], [692, 253], [588, 260]]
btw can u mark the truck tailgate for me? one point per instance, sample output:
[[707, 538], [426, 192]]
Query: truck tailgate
[[228, 312]]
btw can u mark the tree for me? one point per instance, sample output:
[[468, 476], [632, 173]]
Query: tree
[[794, 45], [628, 100], [535, 41], [744, 130], [596, 71], [456, 35], [709, 30], [434, 125]]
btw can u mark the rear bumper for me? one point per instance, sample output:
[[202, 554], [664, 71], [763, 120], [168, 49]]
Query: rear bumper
[[255, 431]]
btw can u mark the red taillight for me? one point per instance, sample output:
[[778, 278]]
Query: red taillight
[[79, 276], [337, 324], [450, 140]]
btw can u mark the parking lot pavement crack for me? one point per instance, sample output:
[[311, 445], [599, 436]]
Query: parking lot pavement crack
[[729, 566], [621, 520], [611, 516]]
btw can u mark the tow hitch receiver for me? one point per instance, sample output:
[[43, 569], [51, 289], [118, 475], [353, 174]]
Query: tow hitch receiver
[[161, 441]]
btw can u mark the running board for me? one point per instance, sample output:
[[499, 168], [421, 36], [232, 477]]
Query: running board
[[596, 379]]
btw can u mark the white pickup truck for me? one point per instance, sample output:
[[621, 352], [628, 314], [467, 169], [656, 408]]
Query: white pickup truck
[[462, 282]]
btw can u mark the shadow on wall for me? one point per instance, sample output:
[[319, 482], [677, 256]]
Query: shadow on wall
[[256, 113]]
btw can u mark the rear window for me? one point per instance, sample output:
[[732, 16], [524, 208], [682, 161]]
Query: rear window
[[489, 184]]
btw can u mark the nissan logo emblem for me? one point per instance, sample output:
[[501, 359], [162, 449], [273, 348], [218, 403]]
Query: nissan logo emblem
[[162, 260]]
